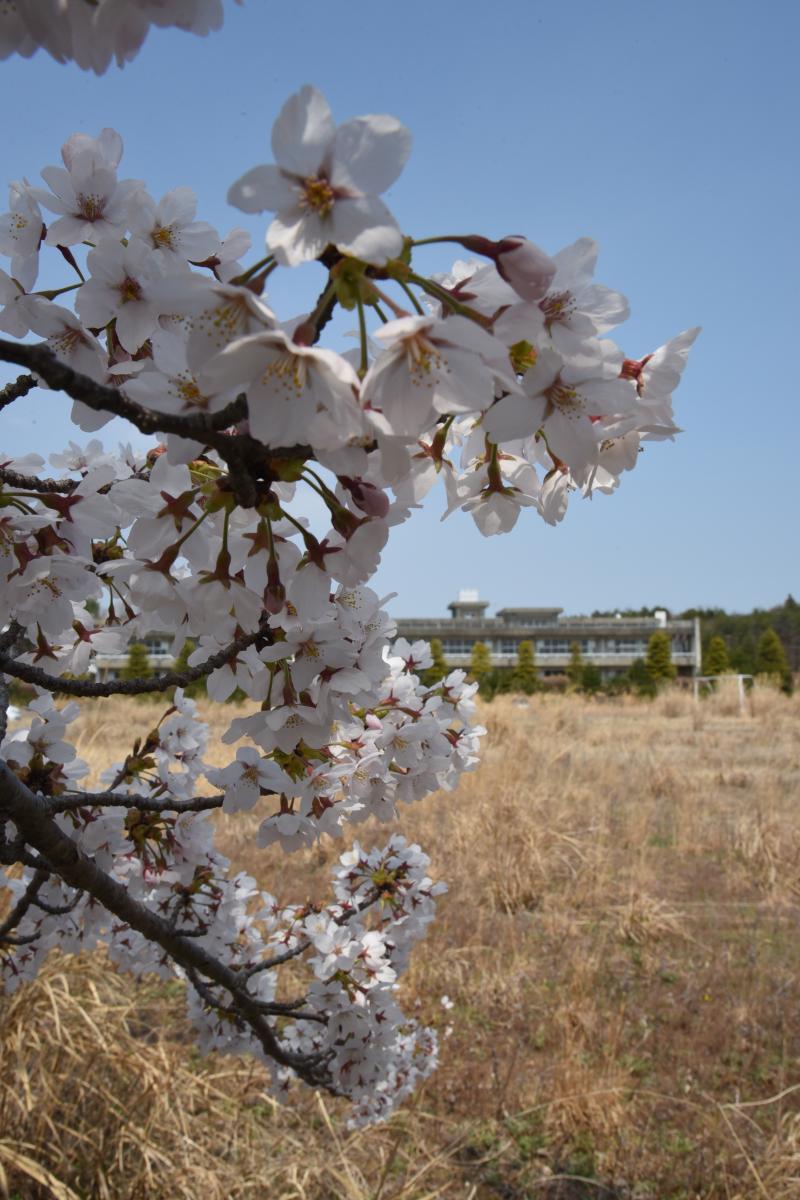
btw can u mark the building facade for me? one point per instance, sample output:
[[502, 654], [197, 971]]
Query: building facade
[[612, 644], [160, 657]]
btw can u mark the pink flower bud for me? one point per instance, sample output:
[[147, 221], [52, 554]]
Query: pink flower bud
[[527, 269], [371, 500]]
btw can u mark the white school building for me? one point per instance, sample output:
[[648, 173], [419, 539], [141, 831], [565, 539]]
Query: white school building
[[611, 643]]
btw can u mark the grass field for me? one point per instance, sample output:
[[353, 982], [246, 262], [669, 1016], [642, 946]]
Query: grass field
[[621, 943]]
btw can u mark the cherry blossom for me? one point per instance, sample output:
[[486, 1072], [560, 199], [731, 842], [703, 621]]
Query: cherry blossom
[[93, 204], [326, 182], [291, 388], [21, 232], [432, 367], [121, 289], [503, 385], [170, 229], [93, 34]]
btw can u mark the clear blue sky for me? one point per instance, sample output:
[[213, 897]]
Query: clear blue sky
[[666, 131]]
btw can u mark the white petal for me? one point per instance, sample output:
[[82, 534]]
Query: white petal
[[135, 322], [369, 153], [576, 264], [303, 132], [366, 229], [240, 362], [295, 238], [514, 417], [263, 189]]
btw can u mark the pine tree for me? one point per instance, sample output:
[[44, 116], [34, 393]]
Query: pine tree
[[525, 677], [138, 667], [575, 665], [591, 679], [716, 660], [138, 664], [480, 662], [658, 662], [439, 667], [639, 679], [771, 660], [198, 687]]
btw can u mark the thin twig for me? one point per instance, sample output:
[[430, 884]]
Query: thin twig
[[69, 801], [38, 879], [32, 483], [15, 390]]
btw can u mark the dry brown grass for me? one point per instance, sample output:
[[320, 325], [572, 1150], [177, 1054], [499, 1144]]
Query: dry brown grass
[[621, 944]]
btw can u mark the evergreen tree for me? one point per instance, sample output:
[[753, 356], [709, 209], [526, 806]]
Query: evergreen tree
[[198, 688], [771, 660], [138, 664], [640, 680], [575, 665], [742, 631], [138, 667], [658, 662], [480, 662], [495, 683], [716, 660], [525, 677], [743, 655], [440, 666], [591, 679]]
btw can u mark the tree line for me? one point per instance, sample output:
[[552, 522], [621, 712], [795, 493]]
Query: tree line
[[741, 632], [645, 677]]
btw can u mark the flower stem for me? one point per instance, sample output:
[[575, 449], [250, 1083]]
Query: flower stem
[[412, 297], [443, 296], [362, 333], [251, 271]]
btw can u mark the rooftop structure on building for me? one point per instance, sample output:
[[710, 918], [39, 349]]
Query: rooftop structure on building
[[611, 643]]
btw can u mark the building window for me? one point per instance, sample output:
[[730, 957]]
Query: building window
[[552, 646], [629, 646], [155, 645], [458, 645]]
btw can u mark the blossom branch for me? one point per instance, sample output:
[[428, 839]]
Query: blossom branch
[[37, 881], [97, 396], [304, 944], [69, 801], [15, 390], [29, 813], [133, 687], [32, 483], [4, 702], [246, 457]]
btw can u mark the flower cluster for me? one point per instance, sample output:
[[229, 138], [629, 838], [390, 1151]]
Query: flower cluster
[[353, 949], [499, 377], [92, 32]]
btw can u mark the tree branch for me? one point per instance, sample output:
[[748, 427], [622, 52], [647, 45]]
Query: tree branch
[[285, 955], [248, 460], [69, 801], [30, 814], [15, 390], [37, 880], [132, 687], [4, 702], [199, 426], [97, 396], [32, 483]]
